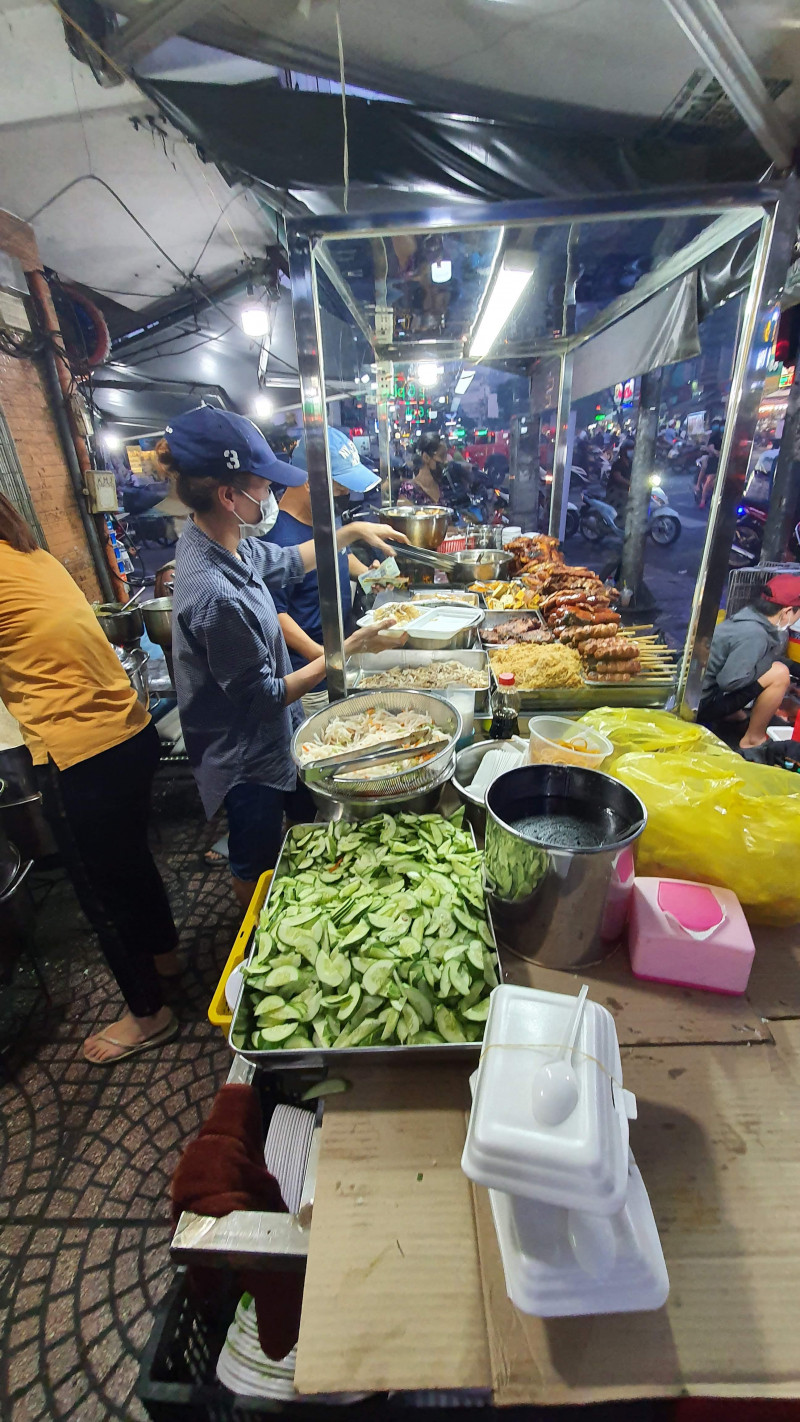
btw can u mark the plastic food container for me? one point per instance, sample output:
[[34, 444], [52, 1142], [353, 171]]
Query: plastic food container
[[548, 734], [557, 1265], [695, 935], [573, 1220], [580, 1164], [443, 627]]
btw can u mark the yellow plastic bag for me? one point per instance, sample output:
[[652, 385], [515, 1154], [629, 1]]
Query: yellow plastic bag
[[630, 729], [717, 819]]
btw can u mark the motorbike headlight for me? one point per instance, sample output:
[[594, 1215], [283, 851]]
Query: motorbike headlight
[[655, 481]]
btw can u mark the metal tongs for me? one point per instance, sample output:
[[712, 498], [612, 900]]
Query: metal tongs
[[444, 562], [374, 755]]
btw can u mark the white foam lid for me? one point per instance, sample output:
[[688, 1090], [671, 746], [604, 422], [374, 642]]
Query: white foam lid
[[542, 1271], [583, 1162]]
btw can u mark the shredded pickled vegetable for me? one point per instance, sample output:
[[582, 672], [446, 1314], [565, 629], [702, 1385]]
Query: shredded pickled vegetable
[[364, 729]]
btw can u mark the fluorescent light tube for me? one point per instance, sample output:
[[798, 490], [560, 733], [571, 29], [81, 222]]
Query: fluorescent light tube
[[508, 284]]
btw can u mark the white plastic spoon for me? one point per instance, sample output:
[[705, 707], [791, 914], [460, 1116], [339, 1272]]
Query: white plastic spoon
[[555, 1085]]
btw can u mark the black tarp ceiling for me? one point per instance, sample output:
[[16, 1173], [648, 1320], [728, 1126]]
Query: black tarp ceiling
[[289, 139]]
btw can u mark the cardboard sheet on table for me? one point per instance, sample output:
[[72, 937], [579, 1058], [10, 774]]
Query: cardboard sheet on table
[[393, 1294], [717, 1144], [650, 1013]]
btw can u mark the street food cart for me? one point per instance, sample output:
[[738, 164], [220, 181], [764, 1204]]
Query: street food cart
[[404, 1286]]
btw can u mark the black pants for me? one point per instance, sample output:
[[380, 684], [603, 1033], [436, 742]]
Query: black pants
[[99, 810]]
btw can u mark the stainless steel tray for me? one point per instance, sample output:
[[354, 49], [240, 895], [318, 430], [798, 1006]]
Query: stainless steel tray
[[659, 696], [428, 591], [280, 1060], [497, 619], [366, 662]]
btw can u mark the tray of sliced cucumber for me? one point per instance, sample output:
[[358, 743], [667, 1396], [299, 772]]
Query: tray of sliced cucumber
[[374, 939]]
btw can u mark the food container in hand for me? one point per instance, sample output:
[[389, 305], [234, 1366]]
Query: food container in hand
[[582, 1163], [442, 628], [692, 934], [555, 740]]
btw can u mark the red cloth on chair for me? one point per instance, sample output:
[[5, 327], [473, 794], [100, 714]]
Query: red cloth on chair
[[223, 1170]]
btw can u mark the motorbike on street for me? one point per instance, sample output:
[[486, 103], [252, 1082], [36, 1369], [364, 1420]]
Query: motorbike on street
[[599, 520], [748, 537]]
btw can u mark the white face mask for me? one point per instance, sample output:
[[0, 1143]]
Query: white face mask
[[268, 510]]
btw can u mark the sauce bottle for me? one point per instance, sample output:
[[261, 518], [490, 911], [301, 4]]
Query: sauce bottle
[[505, 709]]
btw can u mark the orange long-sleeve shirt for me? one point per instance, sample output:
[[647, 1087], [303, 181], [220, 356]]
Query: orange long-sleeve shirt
[[58, 674]]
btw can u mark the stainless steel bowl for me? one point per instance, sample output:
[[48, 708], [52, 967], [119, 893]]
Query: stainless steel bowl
[[122, 625], [396, 787], [425, 527], [467, 762], [158, 620], [479, 565], [423, 802]]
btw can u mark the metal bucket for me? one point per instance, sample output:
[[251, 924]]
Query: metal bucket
[[560, 907]]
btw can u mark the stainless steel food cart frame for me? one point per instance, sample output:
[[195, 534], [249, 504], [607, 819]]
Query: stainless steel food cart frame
[[775, 206]]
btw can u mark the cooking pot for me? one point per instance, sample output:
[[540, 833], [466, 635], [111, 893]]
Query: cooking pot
[[425, 527], [122, 625], [158, 620]]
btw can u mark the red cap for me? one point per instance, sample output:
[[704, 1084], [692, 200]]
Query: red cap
[[784, 590], [505, 679]]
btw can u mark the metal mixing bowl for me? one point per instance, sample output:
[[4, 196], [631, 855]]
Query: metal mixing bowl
[[479, 565], [467, 762], [158, 620], [425, 527]]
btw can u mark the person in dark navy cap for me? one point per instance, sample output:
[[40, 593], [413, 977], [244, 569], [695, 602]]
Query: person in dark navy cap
[[238, 696]]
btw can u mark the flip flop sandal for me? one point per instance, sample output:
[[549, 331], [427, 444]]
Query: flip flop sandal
[[156, 1040], [212, 859]]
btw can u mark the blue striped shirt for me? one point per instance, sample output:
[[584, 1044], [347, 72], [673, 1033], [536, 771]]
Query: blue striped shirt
[[230, 662]]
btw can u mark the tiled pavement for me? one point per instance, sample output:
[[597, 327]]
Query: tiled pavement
[[86, 1153]]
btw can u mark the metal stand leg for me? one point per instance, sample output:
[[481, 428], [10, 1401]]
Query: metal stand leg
[[639, 497]]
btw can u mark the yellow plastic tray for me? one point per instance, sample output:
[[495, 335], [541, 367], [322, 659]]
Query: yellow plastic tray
[[219, 1014]]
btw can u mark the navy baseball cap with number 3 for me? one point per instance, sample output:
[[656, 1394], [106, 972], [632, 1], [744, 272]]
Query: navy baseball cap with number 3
[[216, 443]]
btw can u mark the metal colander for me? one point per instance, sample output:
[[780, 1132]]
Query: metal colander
[[380, 785]]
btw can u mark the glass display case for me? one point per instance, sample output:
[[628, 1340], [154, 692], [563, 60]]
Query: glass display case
[[525, 334]]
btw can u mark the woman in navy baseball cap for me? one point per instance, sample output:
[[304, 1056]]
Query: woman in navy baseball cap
[[238, 696]]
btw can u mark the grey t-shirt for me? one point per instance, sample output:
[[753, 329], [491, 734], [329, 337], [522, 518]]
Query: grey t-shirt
[[742, 649]]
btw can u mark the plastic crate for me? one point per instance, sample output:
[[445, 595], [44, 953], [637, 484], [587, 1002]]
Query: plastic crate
[[177, 1376], [178, 1381], [219, 1014], [178, 1372]]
